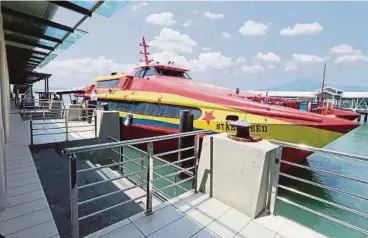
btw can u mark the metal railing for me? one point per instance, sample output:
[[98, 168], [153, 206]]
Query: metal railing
[[64, 125], [276, 173], [149, 170], [42, 108]]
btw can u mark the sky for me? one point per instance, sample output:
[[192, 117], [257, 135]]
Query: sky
[[250, 45]]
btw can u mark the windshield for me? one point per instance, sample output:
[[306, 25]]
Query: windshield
[[172, 73]]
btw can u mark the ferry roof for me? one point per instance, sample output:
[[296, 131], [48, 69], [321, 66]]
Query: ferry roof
[[110, 77]]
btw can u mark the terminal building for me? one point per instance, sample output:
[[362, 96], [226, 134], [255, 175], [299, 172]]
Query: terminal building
[[345, 100]]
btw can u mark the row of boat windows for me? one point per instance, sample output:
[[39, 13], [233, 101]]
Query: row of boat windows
[[151, 109], [108, 83]]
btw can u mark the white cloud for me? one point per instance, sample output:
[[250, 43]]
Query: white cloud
[[138, 6], [351, 58], [214, 16], [305, 58], [187, 23], [206, 48], [225, 35], [271, 66], [290, 66], [343, 49], [80, 72], [269, 57], [252, 69], [173, 41], [347, 53], [240, 60], [165, 18], [204, 61], [302, 29], [252, 28], [208, 60]]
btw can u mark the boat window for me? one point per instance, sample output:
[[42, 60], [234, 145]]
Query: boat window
[[108, 83], [113, 105], [172, 73], [139, 107], [232, 118], [150, 71], [150, 109], [159, 110], [171, 111], [196, 113], [138, 73]]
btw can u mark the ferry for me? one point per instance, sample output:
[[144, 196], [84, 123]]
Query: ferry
[[154, 94]]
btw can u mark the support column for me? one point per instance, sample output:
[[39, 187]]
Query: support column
[[4, 84], [3, 195]]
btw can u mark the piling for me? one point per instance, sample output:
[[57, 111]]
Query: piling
[[365, 117], [186, 125]]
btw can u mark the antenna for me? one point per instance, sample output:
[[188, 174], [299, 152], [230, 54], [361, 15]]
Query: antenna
[[322, 89], [145, 52]]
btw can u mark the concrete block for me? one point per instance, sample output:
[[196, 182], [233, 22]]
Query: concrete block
[[75, 113], [108, 124], [240, 172]]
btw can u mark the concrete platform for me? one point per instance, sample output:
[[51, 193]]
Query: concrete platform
[[53, 130], [199, 216], [28, 213]]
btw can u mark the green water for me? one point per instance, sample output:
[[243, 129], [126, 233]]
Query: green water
[[356, 142]]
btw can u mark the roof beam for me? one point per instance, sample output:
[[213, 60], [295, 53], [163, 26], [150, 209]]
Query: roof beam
[[46, 22], [29, 50], [34, 61], [36, 57], [29, 32], [73, 7], [17, 39]]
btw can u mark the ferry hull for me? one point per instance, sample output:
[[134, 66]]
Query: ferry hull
[[142, 131]]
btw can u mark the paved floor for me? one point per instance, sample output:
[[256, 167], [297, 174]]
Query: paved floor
[[28, 213], [53, 130], [198, 216]]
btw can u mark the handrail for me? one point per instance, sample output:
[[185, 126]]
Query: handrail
[[110, 145], [149, 169], [273, 189], [319, 150]]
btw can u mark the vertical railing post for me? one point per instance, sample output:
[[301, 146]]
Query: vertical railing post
[[43, 109], [211, 166], [31, 129], [66, 126], [274, 180], [149, 179], [121, 155], [196, 161], [142, 166], [95, 117], [73, 178]]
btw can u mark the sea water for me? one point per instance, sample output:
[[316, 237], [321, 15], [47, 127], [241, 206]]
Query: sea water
[[355, 142]]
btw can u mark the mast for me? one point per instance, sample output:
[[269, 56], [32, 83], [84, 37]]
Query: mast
[[145, 52], [322, 89]]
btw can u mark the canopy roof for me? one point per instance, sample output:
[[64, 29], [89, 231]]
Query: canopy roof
[[32, 36]]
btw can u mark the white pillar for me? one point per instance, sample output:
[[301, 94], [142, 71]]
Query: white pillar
[[4, 84], [3, 195]]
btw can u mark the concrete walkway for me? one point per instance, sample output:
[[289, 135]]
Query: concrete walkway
[[198, 216], [28, 213]]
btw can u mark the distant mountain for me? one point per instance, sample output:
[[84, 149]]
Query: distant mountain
[[312, 85]]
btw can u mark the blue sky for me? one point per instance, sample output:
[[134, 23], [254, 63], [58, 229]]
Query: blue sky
[[251, 45]]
